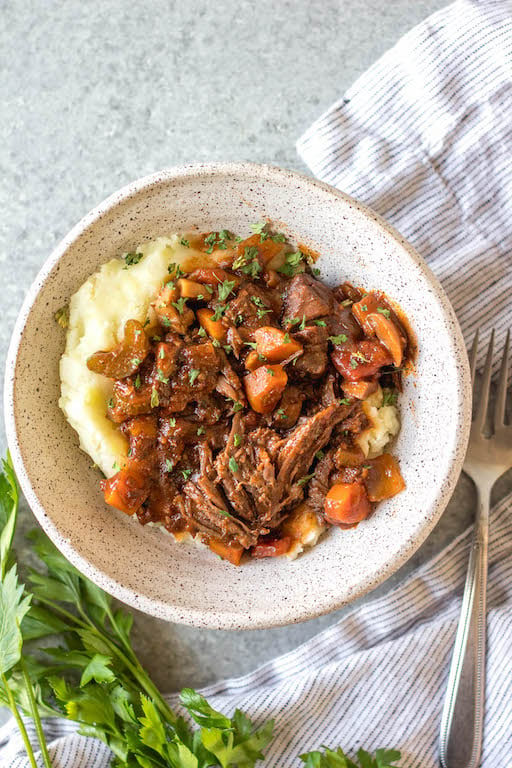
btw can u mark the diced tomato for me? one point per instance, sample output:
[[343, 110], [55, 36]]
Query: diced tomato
[[384, 478], [346, 503], [360, 360], [231, 552], [271, 546], [126, 490]]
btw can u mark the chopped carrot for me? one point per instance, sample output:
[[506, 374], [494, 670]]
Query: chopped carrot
[[190, 289], [346, 503], [349, 457], [253, 361], [213, 328], [126, 490], [384, 478], [267, 249], [264, 387], [359, 389], [212, 276], [275, 344], [271, 546], [231, 552], [366, 305], [388, 334]]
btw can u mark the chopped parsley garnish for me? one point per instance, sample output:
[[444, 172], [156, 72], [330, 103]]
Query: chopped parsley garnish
[[219, 311], [160, 376], [305, 479], [280, 412], [116, 466], [237, 406], [258, 227], [200, 431], [136, 383], [248, 262], [315, 271], [321, 323], [389, 396], [155, 401], [192, 376], [233, 465], [185, 242], [383, 311], [165, 321], [292, 265], [364, 307], [146, 321], [353, 363], [287, 338], [270, 372], [341, 338], [217, 240], [180, 305], [225, 288], [62, 316], [111, 403], [278, 237], [156, 338], [132, 258], [319, 455], [251, 344], [169, 465], [262, 312], [227, 348], [303, 323], [136, 361], [208, 288], [360, 356], [344, 401], [216, 343], [201, 331], [291, 321], [161, 353], [237, 439], [175, 269], [186, 473], [172, 421]]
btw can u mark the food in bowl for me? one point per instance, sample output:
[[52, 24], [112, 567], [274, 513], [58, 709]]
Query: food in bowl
[[229, 395]]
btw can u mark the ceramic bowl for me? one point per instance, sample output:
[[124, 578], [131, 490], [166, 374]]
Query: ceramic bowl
[[143, 566]]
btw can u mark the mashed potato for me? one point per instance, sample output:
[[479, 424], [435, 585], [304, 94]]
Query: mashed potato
[[97, 314], [385, 425]]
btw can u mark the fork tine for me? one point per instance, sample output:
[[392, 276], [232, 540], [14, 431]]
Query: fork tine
[[472, 356], [486, 384], [501, 392]]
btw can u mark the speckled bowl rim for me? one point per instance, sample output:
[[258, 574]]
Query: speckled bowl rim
[[232, 619]]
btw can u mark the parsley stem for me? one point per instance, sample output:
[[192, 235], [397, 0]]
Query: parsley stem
[[20, 723], [35, 715]]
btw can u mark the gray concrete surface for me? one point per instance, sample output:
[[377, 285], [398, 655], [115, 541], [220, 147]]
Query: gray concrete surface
[[98, 93]]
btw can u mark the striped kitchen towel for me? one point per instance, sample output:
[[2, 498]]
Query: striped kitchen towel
[[425, 138]]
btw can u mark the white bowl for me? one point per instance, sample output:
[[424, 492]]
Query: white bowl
[[143, 566]]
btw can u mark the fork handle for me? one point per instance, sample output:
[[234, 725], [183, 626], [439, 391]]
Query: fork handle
[[460, 742]]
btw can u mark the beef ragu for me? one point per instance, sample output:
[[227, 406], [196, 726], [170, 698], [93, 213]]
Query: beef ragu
[[242, 398]]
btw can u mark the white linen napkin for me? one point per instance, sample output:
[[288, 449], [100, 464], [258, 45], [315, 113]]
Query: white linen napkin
[[425, 138]]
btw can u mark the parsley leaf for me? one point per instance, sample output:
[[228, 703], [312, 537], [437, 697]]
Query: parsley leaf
[[225, 288], [132, 258], [192, 376], [341, 338], [258, 227], [62, 316], [293, 264], [305, 479], [237, 439], [155, 400], [389, 396], [180, 305], [383, 311], [233, 466]]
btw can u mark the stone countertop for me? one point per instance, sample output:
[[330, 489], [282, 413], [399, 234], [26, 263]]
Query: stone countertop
[[99, 93]]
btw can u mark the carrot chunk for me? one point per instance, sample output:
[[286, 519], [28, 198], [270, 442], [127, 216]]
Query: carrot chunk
[[346, 503], [126, 490], [231, 552], [213, 328], [267, 250], [384, 478], [190, 289], [213, 276], [275, 344], [264, 387], [253, 361]]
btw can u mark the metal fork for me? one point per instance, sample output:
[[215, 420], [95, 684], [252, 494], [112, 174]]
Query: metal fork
[[489, 456]]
